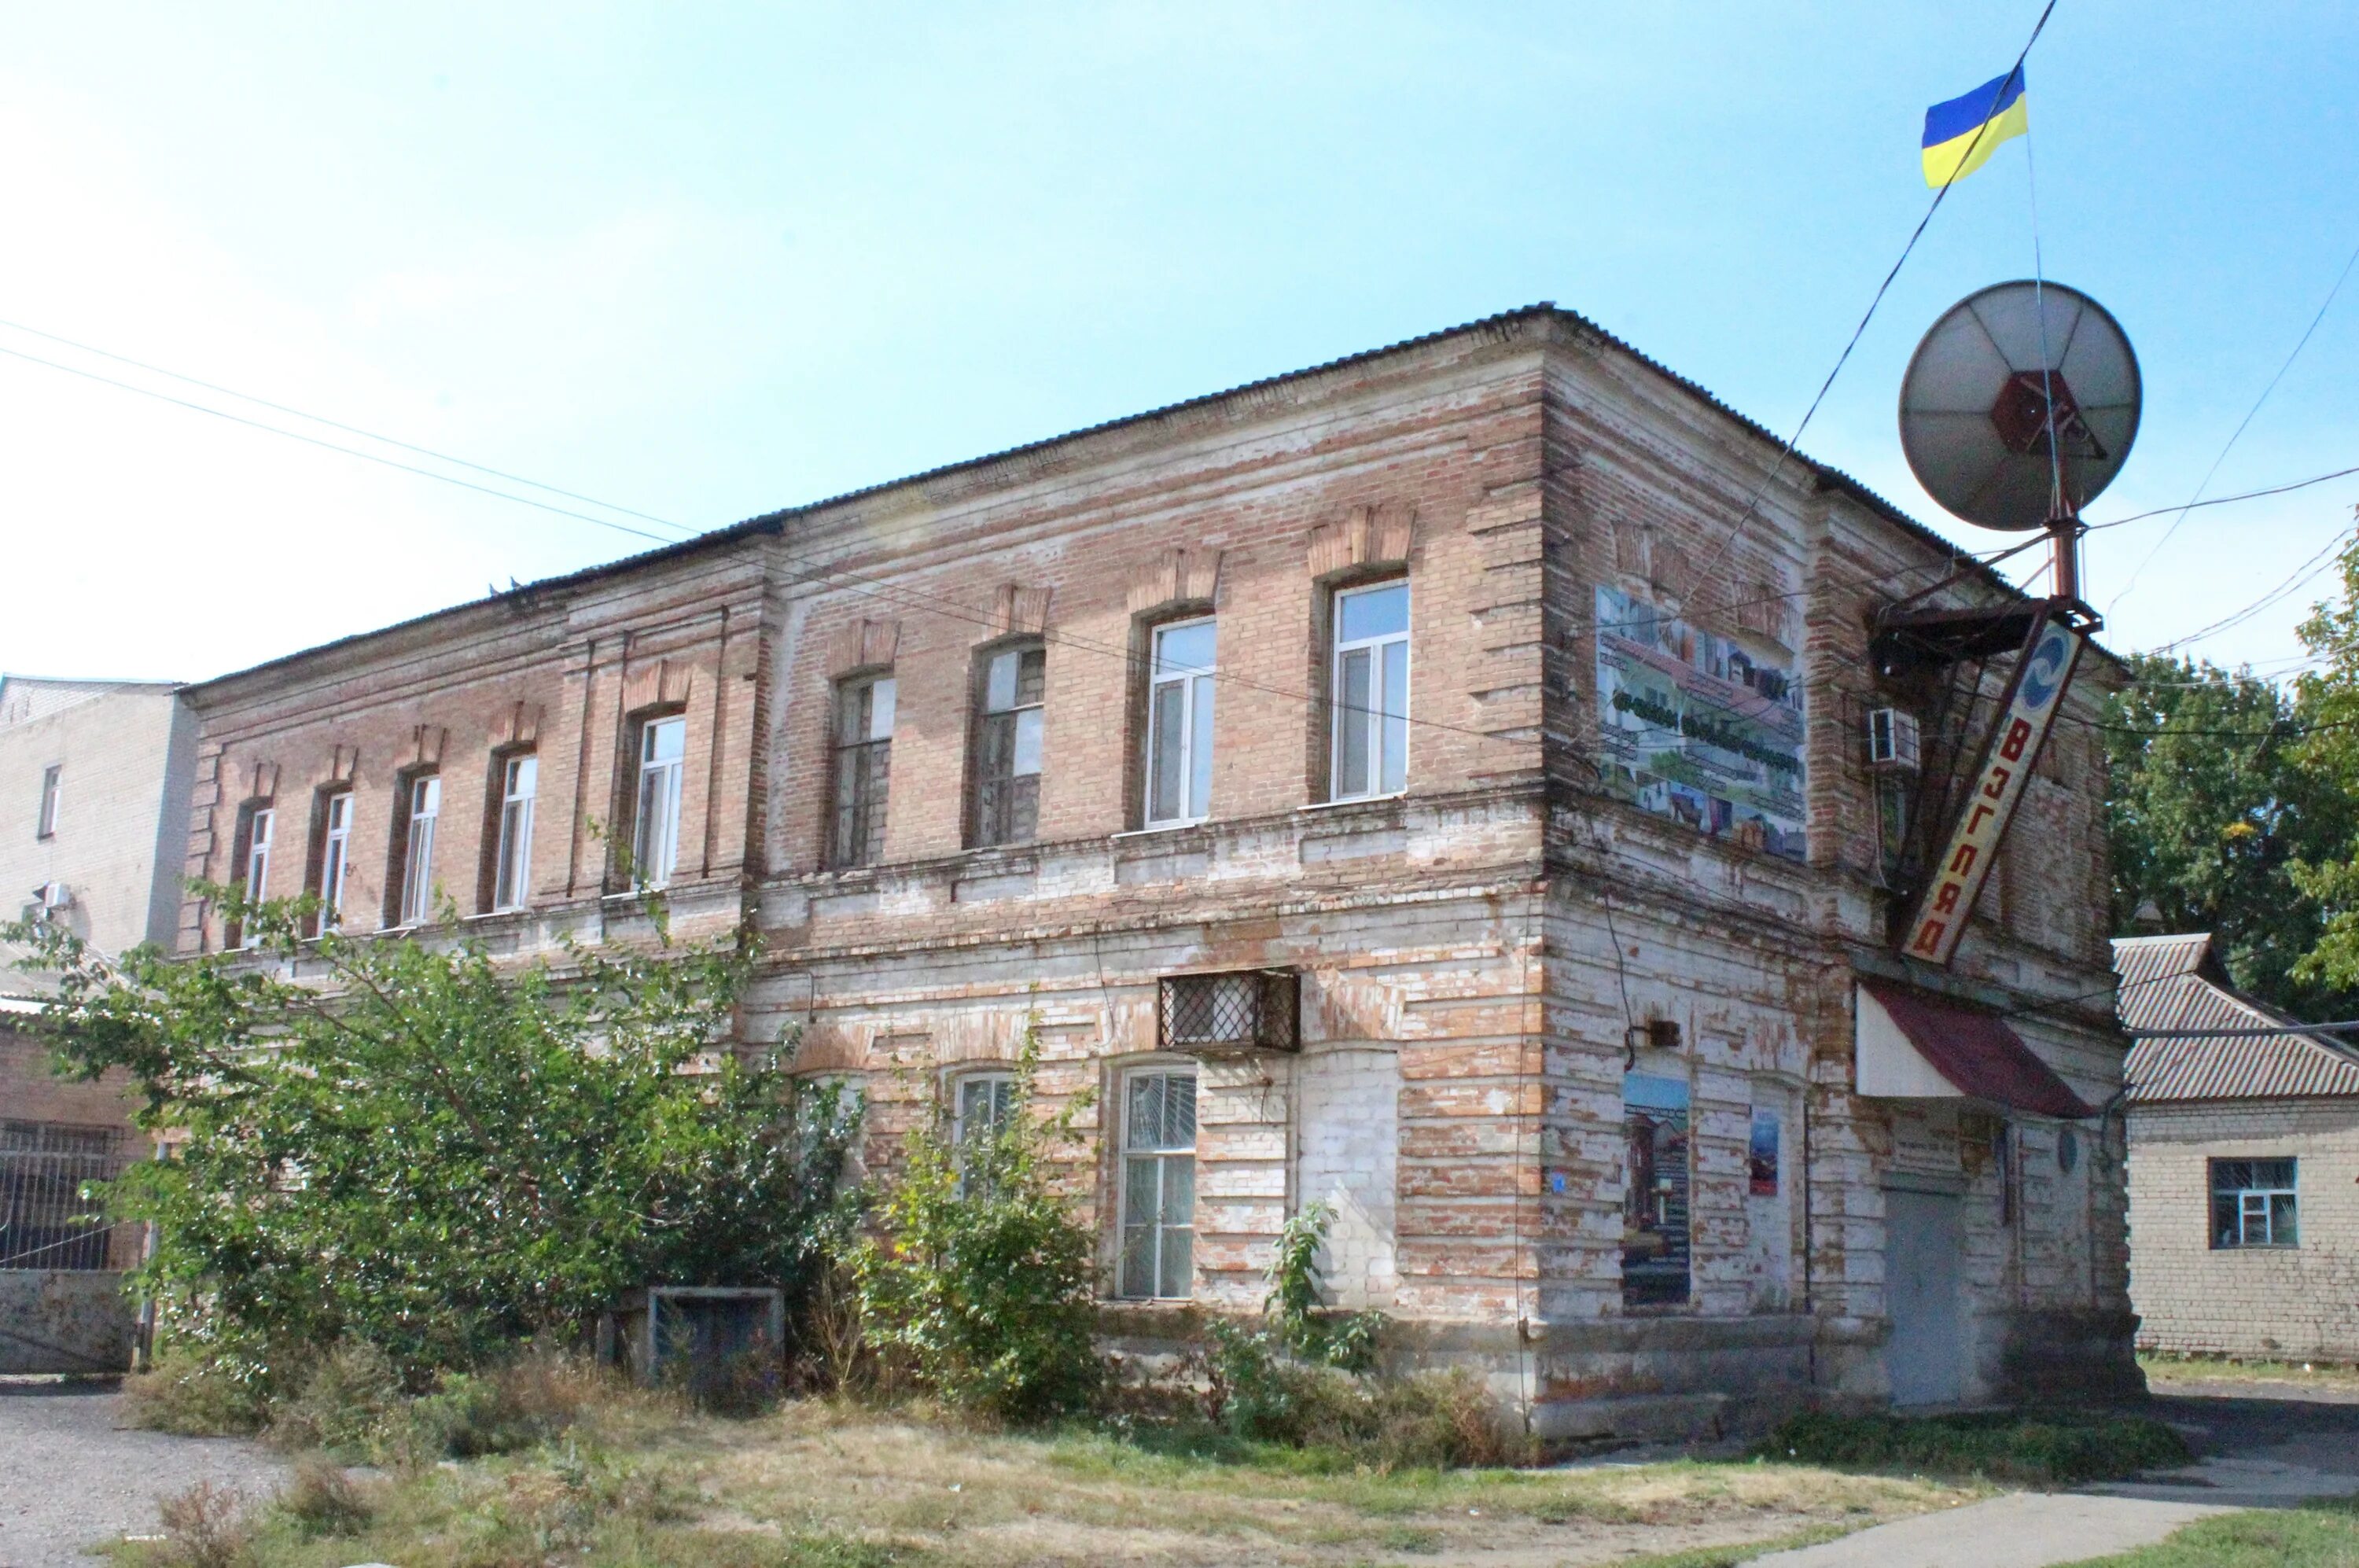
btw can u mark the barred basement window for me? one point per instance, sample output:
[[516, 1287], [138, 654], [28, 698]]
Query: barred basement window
[[2254, 1204], [1242, 1011], [1007, 807]]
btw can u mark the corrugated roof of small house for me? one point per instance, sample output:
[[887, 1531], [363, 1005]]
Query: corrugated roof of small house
[[2170, 984]]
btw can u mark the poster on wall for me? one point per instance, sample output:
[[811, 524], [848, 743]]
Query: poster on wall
[[1655, 1194], [1700, 727]]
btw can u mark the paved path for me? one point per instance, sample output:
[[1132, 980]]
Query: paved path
[[2257, 1446], [70, 1476]]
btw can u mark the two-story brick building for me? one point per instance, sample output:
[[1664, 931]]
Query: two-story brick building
[[1430, 782]]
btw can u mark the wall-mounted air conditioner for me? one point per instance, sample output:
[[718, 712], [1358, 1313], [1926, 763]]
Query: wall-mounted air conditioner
[[1891, 740], [51, 897]]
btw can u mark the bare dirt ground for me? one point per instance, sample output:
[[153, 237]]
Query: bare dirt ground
[[70, 1476]]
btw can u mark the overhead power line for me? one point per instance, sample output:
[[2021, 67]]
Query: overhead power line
[[1940, 194], [2228, 446]]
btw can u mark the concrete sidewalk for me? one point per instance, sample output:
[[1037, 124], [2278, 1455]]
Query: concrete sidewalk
[[2024, 1529]]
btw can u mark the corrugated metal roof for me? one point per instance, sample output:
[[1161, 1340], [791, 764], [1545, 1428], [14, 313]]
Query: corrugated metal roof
[[1825, 476], [2172, 983]]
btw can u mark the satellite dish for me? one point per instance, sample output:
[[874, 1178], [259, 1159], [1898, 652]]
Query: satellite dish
[[1984, 387]]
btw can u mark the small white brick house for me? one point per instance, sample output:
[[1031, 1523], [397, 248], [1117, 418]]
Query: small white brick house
[[2243, 1166]]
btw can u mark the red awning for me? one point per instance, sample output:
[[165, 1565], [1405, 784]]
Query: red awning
[[1976, 1052]]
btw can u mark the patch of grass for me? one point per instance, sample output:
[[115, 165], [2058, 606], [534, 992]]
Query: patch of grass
[[2163, 1370], [2324, 1535], [194, 1396], [2057, 1449]]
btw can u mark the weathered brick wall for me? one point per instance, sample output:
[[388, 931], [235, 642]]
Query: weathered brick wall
[[2298, 1302], [561, 673]]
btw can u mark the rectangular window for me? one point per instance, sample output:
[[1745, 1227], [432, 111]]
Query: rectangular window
[[1158, 1185], [520, 783], [1007, 746], [46, 824], [655, 831], [1655, 1194], [335, 858], [1368, 693], [2253, 1203], [863, 770], [1180, 724], [981, 1106], [253, 864], [421, 809]]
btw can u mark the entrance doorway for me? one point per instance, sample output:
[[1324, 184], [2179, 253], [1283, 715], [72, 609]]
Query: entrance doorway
[[1924, 1236]]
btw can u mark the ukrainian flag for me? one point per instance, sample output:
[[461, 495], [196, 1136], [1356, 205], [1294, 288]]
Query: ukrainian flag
[[1961, 134]]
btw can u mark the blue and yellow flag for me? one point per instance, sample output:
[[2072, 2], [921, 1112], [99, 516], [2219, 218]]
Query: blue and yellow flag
[[1960, 133]]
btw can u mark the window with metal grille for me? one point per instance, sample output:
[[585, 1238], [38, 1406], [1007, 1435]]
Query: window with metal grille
[[864, 768], [980, 1107], [45, 1222], [2254, 1204], [1243, 1010], [1007, 746], [1159, 1184]]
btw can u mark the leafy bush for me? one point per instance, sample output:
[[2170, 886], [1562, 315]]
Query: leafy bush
[[205, 1527], [2053, 1448], [195, 1395], [980, 1287], [436, 1154], [322, 1499]]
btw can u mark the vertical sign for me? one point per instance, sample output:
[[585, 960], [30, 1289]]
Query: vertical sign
[[2032, 699]]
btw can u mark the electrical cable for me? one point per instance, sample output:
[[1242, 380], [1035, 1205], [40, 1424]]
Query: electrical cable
[[1940, 194], [2235, 435], [2227, 500], [338, 424]]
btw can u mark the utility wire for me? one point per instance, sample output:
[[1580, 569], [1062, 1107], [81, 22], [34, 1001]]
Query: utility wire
[[334, 446], [337, 424], [1940, 194], [2237, 433], [2228, 500]]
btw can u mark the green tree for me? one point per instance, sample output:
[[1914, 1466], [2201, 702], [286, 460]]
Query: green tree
[[2214, 805], [978, 1284], [420, 1148], [2328, 701]]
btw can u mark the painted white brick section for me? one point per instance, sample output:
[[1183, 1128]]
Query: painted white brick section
[[1350, 1145]]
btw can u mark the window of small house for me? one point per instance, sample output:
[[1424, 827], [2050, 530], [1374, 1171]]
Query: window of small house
[[45, 825], [1180, 724], [334, 863], [1655, 1191], [419, 810], [2254, 1204], [864, 768], [1159, 1184], [654, 820], [1007, 807], [1368, 693], [519, 777], [256, 822]]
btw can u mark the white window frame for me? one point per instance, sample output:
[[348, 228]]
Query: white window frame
[[1376, 649], [259, 822], [654, 825], [1159, 1289], [512, 872], [2256, 1205], [45, 822], [335, 857], [1194, 742], [422, 810]]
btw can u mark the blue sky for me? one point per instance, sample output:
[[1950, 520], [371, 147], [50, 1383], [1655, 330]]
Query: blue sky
[[707, 263]]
